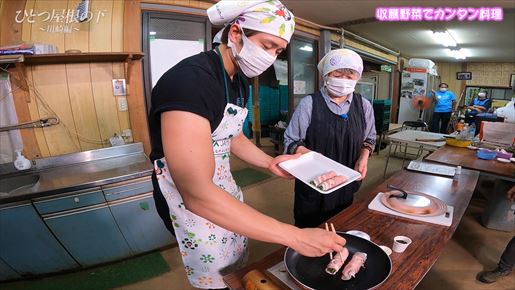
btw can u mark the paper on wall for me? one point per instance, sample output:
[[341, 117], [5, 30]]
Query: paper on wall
[[299, 87]]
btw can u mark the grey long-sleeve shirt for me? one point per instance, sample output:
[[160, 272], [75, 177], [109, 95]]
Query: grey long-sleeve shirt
[[301, 119]]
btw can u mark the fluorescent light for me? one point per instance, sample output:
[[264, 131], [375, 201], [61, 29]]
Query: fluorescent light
[[445, 38], [152, 33], [457, 53], [306, 48]]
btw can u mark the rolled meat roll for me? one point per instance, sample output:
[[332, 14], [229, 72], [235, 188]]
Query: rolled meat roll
[[332, 183], [352, 268], [317, 181], [337, 262]]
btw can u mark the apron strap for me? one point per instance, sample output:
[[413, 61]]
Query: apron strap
[[240, 96]]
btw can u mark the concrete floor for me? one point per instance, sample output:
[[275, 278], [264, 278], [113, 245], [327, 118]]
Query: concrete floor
[[472, 249]]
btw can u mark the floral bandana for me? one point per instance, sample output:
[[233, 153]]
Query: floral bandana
[[340, 59], [265, 16]]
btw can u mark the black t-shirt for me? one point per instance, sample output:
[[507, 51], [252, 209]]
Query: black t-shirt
[[196, 85]]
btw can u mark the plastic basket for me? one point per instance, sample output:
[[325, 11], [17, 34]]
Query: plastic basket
[[458, 143]]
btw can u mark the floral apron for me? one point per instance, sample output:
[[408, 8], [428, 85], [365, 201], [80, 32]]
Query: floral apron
[[206, 248]]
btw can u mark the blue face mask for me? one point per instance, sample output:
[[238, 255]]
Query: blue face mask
[[443, 90]]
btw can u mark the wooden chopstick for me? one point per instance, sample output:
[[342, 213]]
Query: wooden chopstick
[[334, 231], [330, 253]]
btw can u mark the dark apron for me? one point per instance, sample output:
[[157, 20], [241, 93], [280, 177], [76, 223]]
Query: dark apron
[[339, 139]]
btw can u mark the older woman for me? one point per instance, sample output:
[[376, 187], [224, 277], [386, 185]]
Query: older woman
[[337, 123]]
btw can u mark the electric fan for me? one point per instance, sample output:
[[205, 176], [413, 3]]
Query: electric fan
[[421, 103]]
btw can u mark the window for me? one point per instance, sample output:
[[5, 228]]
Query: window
[[493, 93], [304, 76], [367, 88], [169, 38]]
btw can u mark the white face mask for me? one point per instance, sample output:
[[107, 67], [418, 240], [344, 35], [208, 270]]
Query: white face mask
[[252, 59], [481, 95], [340, 87], [443, 89]]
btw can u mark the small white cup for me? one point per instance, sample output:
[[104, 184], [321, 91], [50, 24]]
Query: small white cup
[[400, 243], [387, 250]]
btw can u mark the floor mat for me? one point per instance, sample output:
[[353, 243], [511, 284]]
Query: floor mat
[[248, 176], [99, 278]]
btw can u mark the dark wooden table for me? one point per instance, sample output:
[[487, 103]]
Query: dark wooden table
[[429, 240], [466, 158]]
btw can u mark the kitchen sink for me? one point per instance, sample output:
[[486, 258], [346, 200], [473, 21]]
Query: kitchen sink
[[12, 184]]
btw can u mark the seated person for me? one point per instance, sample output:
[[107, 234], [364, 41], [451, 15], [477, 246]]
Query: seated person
[[481, 104]]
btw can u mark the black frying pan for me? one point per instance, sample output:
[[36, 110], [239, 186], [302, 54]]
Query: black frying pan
[[310, 272]]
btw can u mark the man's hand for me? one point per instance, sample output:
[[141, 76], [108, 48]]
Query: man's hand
[[314, 242], [274, 165]]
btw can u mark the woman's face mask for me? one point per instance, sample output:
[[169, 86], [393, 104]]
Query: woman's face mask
[[252, 59], [340, 87], [481, 96], [443, 90]]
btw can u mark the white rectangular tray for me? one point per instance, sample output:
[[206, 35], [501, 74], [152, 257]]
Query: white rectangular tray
[[310, 165], [432, 168]]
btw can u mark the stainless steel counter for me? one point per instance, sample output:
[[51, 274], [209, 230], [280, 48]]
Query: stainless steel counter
[[80, 171]]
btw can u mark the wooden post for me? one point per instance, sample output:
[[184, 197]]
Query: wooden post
[[10, 34], [135, 92], [396, 74], [463, 85], [256, 118], [324, 46], [10, 30]]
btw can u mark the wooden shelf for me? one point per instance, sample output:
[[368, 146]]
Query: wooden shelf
[[61, 58], [20, 61]]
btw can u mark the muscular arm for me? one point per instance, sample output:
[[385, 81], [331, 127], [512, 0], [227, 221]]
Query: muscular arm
[[242, 147], [189, 155], [250, 153]]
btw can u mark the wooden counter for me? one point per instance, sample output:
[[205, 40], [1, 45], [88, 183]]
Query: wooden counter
[[466, 158], [429, 240]]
